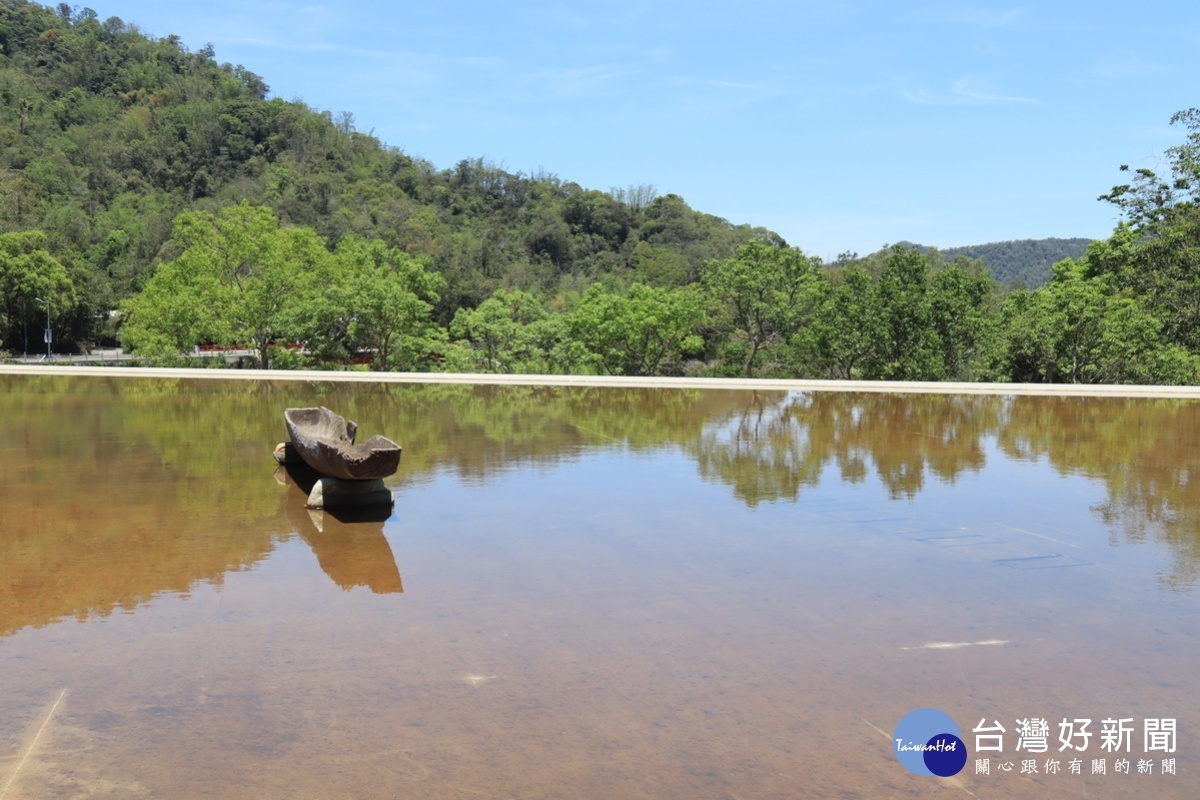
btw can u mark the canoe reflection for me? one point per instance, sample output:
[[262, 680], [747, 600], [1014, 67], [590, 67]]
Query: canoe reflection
[[349, 543]]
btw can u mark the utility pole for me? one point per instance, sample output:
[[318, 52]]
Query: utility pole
[[48, 335]]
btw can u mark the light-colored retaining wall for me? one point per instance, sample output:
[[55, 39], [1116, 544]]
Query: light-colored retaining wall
[[912, 387]]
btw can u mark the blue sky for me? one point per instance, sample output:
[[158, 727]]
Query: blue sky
[[843, 126]]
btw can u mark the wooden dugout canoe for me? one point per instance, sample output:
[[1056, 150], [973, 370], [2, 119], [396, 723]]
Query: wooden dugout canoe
[[325, 440]]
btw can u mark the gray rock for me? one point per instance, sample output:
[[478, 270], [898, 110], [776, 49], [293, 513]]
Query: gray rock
[[335, 493]]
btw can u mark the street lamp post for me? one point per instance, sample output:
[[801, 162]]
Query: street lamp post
[[48, 335]]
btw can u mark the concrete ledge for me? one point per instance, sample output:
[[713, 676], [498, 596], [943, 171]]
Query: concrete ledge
[[742, 384]]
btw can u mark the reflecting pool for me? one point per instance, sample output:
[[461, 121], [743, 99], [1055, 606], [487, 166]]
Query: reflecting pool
[[595, 593]]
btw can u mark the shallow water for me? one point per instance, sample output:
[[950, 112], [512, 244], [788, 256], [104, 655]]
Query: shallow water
[[588, 593]]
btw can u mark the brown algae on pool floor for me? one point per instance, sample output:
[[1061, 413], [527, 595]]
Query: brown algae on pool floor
[[586, 592]]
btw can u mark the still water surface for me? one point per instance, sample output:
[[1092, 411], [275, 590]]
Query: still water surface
[[588, 593]]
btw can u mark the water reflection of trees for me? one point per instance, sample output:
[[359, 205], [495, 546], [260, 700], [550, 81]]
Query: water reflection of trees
[[771, 449], [478, 432], [97, 516], [118, 490], [1145, 451]]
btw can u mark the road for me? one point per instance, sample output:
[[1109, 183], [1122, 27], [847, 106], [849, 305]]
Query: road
[[116, 356]]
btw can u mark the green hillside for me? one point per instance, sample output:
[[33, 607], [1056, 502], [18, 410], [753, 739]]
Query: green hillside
[[1024, 262], [140, 177], [109, 134], [1019, 262]]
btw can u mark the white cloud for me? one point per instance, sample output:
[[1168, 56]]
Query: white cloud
[[1126, 66], [683, 97], [361, 52], [966, 91], [974, 16], [989, 48], [585, 81]]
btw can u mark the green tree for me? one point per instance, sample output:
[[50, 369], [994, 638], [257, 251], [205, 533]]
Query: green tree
[[764, 294], [1154, 254], [387, 297], [1077, 330], [1151, 200], [238, 282], [30, 278], [962, 308], [845, 328], [508, 332], [1162, 269], [658, 265], [645, 331], [908, 348]]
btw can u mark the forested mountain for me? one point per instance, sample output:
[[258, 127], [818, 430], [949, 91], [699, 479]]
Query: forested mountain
[[109, 134], [1025, 262], [141, 177], [1019, 262]]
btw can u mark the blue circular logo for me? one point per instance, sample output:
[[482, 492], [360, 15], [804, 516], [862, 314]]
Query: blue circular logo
[[927, 742]]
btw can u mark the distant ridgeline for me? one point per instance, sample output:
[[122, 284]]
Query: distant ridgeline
[[137, 175], [1020, 262]]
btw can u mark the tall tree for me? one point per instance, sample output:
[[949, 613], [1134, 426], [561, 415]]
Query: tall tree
[[908, 348], [32, 282], [1076, 329], [645, 331], [765, 294], [962, 300], [238, 281], [845, 329], [1151, 200], [509, 332], [388, 298], [1154, 253]]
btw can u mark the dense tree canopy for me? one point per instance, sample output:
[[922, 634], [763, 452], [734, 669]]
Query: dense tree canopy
[[110, 134], [141, 176], [764, 295], [31, 280]]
